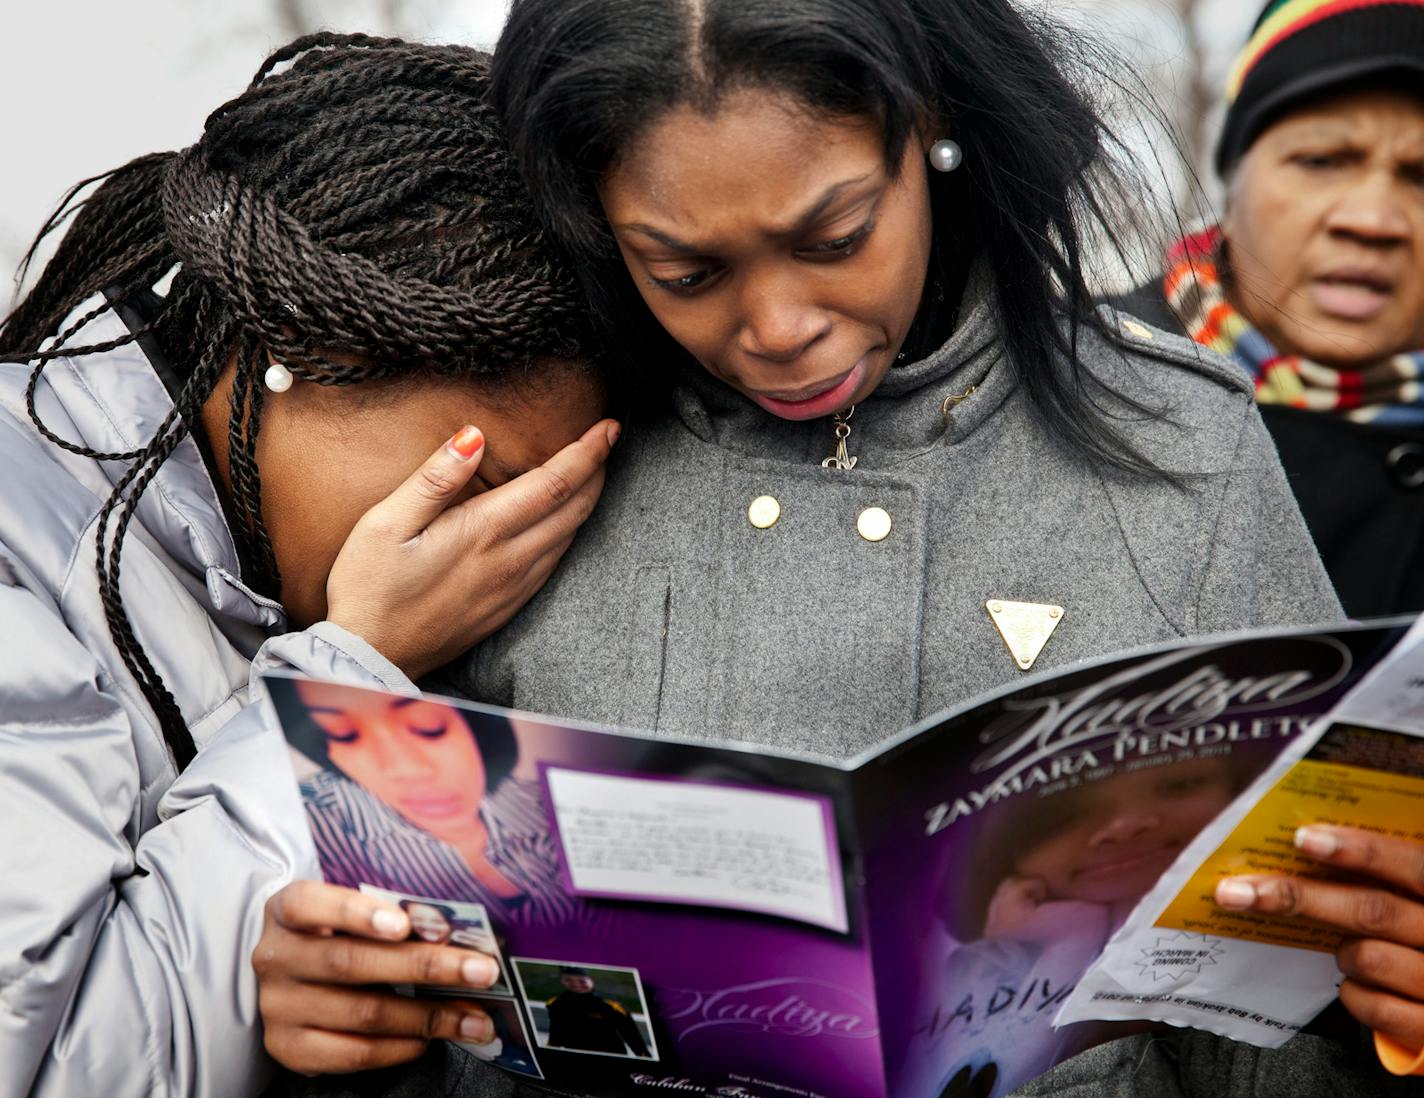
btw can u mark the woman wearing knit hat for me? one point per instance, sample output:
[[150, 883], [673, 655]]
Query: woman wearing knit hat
[[1314, 279], [1314, 282]]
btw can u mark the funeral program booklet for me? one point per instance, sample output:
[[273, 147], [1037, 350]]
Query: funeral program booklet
[[1259, 978], [708, 919]]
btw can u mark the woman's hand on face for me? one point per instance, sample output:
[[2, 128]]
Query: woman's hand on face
[[1382, 957], [421, 578], [322, 947]]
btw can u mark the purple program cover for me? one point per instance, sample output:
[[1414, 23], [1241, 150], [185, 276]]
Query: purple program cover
[[1025, 829], [703, 919], [742, 969]]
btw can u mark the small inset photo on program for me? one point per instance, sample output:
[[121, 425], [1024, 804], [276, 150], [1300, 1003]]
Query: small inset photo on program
[[586, 1008], [449, 922]]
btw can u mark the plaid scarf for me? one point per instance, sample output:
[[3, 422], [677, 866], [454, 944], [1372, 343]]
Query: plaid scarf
[[1388, 392]]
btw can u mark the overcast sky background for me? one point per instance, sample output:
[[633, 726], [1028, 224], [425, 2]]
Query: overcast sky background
[[89, 84]]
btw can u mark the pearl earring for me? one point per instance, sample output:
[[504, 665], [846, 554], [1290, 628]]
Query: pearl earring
[[278, 378], [946, 155]]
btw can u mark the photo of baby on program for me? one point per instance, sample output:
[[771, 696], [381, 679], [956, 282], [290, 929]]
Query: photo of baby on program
[[1042, 889]]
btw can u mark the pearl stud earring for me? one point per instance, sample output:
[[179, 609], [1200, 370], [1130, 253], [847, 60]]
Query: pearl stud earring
[[946, 155], [278, 378]]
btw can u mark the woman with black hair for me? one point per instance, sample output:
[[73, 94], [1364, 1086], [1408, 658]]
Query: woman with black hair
[[843, 241], [903, 457], [417, 796], [347, 263], [429, 922]]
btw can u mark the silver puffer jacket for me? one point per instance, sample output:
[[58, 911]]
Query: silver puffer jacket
[[131, 897]]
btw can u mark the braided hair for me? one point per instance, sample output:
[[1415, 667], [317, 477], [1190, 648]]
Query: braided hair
[[356, 201]]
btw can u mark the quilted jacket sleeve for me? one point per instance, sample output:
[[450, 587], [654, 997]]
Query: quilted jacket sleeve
[[124, 943]]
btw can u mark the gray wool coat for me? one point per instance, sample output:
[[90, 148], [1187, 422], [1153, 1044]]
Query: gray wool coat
[[674, 613]]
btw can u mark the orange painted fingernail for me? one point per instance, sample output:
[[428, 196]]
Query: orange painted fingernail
[[466, 441], [1316, 841]]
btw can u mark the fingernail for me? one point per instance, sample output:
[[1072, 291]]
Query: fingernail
[[1316, 841], [466, 441], [1235, 893], [475, 1027], [614, 430], [388, 922], [479, 971]]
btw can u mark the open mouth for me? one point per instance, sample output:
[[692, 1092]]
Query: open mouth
[[812, 401]]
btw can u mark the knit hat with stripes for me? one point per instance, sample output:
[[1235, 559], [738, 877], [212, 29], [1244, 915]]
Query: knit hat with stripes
[[1300, 48]]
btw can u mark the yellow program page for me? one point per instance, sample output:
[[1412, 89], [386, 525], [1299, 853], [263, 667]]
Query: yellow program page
[[1317, 789]]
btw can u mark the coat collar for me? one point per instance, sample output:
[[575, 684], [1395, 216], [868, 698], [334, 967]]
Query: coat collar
[[115, 402]]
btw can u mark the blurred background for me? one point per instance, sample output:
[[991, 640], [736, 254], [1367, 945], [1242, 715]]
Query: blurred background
[[89, 84]]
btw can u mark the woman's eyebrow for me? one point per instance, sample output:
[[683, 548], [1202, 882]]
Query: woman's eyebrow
[[334, 710], [803, 222], [828, 197], [661, 237]]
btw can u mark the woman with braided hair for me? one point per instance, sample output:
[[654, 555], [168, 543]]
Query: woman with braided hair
[[313, 394]]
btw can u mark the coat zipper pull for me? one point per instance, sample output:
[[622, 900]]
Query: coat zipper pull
[[841, 459]]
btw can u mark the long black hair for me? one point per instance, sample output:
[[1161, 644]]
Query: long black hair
[[357, 200], [577, 81]]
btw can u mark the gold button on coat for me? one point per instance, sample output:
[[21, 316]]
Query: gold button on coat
[[763, 512], [873, 524]]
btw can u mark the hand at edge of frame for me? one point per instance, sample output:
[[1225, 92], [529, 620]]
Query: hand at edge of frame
[[1382, 957]]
